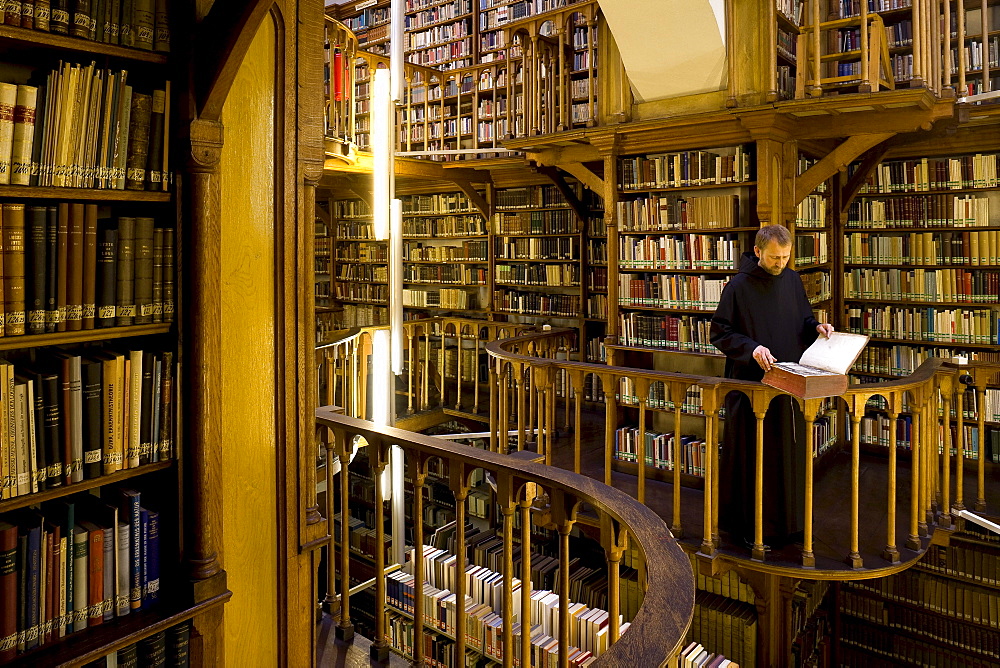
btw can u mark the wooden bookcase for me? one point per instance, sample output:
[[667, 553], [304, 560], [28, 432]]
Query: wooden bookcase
[[360, 267], [154, 469]]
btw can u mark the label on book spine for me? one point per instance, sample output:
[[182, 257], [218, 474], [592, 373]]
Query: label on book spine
[[127, 311], [92, 457], [9, 642], [55, 470], [60, 16], [74, 312], [106, 312], [89, 310]]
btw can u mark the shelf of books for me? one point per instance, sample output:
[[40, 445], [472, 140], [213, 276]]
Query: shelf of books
[[812, 254], [360, 267], [446, 265], [943, 611], [89, 441]]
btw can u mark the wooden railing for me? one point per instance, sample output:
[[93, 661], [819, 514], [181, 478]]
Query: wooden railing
[[528, 89], [873, 71], [526, 366], [522, 489]]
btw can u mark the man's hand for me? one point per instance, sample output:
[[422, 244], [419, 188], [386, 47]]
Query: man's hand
[[825, 330], [764, 357]]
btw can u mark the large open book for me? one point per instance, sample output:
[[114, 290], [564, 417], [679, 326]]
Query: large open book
[[822, 369]]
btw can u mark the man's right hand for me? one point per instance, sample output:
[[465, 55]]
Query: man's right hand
[[764, 357]]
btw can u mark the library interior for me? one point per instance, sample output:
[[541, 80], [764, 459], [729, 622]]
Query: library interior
[[434, 332]]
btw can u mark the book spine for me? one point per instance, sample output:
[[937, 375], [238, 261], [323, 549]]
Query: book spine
[[107, 263], [32, 603], [74, 269], [168, 275], [91, 410], [165, 431], [138, 142], [42, 14], [59, 19], [126, 32], [81, 578], [38, 131], [48, 388], [8, 100], [75, 413], [62, 265], [81, 19], [95, 581], [151, 560], [143, 24], [158, 274], [143, 246], [89, 266], [13, 268], [12, 12], [23, 135], [37, 221], [161, 27], [145, 409], [154, 158], [125, 272], [134, 408], [110, 575], [52, 267], [8, 591], [122, 607]]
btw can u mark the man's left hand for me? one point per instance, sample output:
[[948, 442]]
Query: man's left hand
[[826, 329]]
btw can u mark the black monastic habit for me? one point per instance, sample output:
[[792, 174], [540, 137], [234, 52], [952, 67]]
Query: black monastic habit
[[757, 308]]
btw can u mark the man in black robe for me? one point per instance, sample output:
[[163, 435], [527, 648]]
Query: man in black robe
[[763, 317]]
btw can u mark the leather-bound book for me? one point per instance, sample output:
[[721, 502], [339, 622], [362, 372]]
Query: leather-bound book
[[80, 26], [8, 591], [47, 391], [143, 270], [107, 264], [161, 27], [62, 265], [154, 158], [138, 141], [125, 272], [126, 31], [91, 413], [142, 24], [146, 410], [52, 268], [38, 138], [8, 100], [165, 431], [13, 268], [43, 13], [12, 12], [822, 369], [37, 242], [59, 20], [168, 275], [158, 274], [74, 269], [24, 135], [89, 265], [28, 14]]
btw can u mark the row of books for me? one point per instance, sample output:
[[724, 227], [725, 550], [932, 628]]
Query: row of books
[[658, 396], [363, 539], [560, 221], [513, 301], [902, 360], [597, 306], [79, 562], [925, 174], [811, 212], [948, 598], [166, 648], [143, 24], [977, 248], [469, 251], [363, 252], [725, 626], [438, 34], [445, 226], [671, 212], [443, 298], [849, 8], [975, 55], [864, 645], [659, 450], [969, 325], [437, 13], [920, 211], [85, 127], [365, 292], [965, 559], [685, 168], [530, 197], [670, 291], [691, 251], [445, 273], [818, 287], [537, 248], [811, 248], [363, 273], [69, 417], [65, 270], [686, 333], [597, 278], [538, 274], [361, 315], [355, 231], [928, 285], [696, 656], [450, 203]]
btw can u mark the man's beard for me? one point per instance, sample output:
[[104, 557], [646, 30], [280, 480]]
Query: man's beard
[[774, 272]]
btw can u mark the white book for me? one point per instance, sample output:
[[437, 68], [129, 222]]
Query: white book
[[26, 480], [134, 420], [122, 561], [23, 135], [8, 99]]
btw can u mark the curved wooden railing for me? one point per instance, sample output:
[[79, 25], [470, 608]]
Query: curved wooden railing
[[527, 366], [655, 633]]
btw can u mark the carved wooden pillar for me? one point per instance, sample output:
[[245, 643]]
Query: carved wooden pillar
[[204, 362]]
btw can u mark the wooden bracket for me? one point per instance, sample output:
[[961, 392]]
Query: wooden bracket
[[486, 208], [557, 178], [584, 174], [870, 162], [834, 161], [361, 193]]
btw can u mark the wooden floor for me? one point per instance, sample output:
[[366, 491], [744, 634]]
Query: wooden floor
[[831, 517], [333, 653]]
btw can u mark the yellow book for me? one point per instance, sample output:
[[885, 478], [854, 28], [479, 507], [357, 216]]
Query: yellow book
[[974, 251]]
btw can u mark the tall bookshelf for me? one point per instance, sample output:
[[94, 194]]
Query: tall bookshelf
[[360, 266], [813, 246], [91, 251]]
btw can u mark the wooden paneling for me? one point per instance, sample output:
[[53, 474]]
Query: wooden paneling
[[248, 356]]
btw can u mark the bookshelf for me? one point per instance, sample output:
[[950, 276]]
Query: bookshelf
[[359, 267], [813, 255], [91, 515]]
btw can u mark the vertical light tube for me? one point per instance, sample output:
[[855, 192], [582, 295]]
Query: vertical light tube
[[381, 141], [380, 377], [398, 519], [396, 25], [396, 285]]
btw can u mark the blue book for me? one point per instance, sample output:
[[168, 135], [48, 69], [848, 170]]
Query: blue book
[[151, 547], [32, 530], [144, 552]]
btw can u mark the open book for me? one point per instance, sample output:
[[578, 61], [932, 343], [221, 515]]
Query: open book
[[822, 369]]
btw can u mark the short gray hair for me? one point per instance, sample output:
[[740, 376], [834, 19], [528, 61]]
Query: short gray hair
[[769, 233]]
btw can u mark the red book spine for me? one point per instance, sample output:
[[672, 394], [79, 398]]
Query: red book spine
[[95, 585], [338, 75]]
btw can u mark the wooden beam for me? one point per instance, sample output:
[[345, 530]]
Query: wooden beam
[[478, 200], [364, 195], [584, 174], [871, 160], [557, 178], [834, 161]]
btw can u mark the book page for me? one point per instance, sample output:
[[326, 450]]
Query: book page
[[836, 353], [800, 370]]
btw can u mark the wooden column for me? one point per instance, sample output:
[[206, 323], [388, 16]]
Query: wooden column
[[857, 412], [204, 360], [508, 508], [419, 479], [525, 505], [981, 464], [377, 456], [890, 553], [345, 629], [916, 444], [808, 557]]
